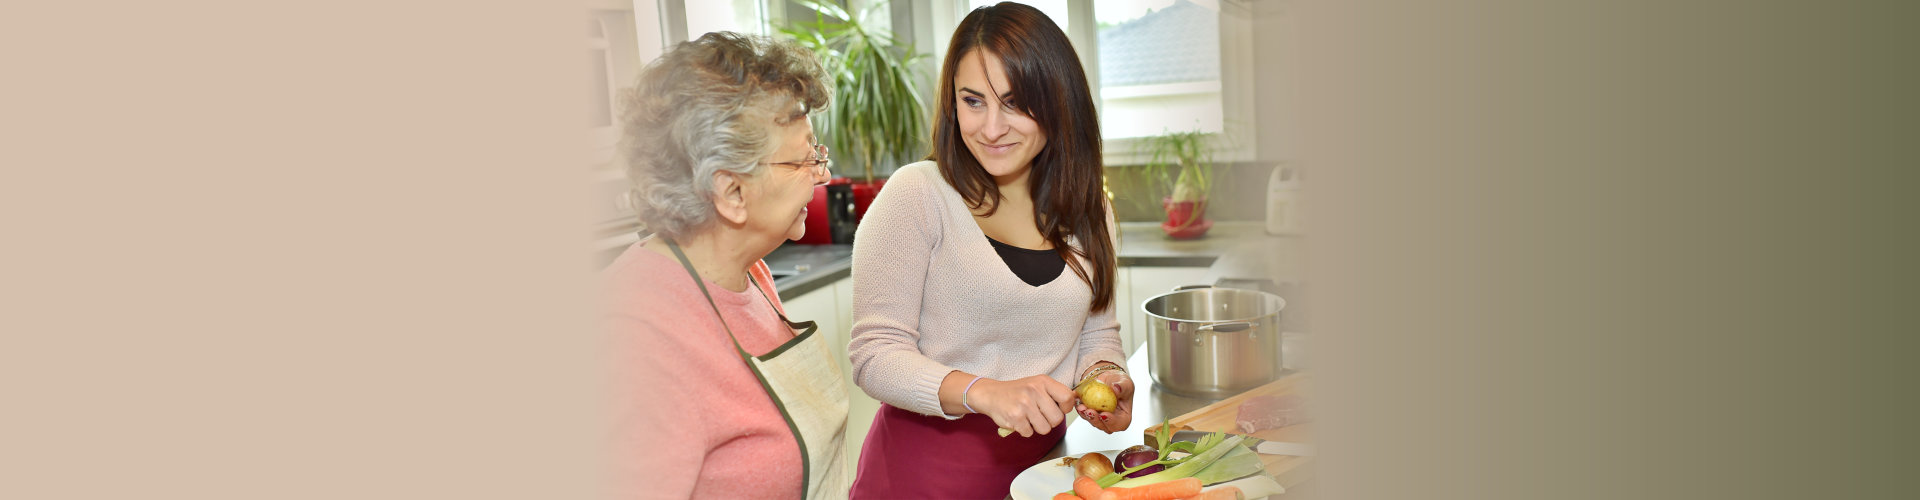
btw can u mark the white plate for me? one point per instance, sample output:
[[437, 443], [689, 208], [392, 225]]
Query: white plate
[[1044, 479]]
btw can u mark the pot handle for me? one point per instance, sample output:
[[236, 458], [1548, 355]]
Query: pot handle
[[1224, 327], [1190, 287]]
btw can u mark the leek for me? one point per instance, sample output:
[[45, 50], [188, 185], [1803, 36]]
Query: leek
[[1213, 462], [1239, 462], [1167, 447]]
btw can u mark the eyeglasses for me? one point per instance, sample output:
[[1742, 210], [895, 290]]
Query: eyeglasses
[[816, 163]]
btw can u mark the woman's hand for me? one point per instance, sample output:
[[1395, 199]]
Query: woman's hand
[[1122, 415], [1028, 405]]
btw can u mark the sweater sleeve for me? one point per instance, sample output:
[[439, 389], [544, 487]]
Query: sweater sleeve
[[892, 250], [1100, 336], [646, 384]]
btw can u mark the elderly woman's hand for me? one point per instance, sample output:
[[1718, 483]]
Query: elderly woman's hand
[[1122, 415]]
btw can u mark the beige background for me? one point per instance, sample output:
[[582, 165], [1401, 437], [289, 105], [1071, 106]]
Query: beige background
[[294, 250], [337, 250]]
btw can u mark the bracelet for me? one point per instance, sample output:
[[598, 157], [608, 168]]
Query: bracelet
[[963, 394], [1097, 370]]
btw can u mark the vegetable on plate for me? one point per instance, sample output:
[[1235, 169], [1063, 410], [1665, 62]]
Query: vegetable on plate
[[1221, 493], [1217, 458], [1086, 487], [1092, 465], [1134, 457], [1165, 490]]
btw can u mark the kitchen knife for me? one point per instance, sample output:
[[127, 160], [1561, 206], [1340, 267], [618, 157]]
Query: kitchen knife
[[1258, 445], [1284, 448]]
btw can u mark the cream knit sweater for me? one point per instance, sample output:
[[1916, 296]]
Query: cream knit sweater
[[931, 296]]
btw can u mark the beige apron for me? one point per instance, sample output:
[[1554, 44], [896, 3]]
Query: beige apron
[[804, 380]]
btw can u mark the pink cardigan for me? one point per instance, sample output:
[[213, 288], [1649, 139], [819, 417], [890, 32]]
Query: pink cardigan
[[690, 419]]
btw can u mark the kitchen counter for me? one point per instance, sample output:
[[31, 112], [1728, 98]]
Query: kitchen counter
[[1145, 244], [799, 269]]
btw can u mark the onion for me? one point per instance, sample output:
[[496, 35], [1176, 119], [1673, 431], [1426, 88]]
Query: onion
[[1094, 465], [1135, 455]]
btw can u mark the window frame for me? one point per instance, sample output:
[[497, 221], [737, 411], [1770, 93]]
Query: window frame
[[632, 36]]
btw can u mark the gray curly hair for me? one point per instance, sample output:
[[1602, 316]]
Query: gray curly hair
[[706, 106]]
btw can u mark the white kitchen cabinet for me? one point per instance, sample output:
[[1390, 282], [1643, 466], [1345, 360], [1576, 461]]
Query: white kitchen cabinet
[[1146, 282], [843, 297], [819, 307]]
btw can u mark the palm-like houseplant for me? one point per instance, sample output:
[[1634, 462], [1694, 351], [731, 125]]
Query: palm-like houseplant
[[877, 114], [1184, 162]]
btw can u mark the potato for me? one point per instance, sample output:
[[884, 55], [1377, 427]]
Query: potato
[[1098, 396]]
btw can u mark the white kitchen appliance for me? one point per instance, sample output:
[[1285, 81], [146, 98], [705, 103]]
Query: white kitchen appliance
[[1283, 201]]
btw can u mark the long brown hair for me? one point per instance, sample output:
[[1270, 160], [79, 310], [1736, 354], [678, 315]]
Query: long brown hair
[[1067, 175]]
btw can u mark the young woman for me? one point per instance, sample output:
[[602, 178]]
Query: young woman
[[983, 278]]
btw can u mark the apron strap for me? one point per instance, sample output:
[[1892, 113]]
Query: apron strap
[[803, 329]]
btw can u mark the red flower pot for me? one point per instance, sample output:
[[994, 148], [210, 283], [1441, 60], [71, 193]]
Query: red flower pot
[[1185, 219]]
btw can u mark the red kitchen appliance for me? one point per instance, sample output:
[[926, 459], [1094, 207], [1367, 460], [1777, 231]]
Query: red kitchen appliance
[[817, 233], [836, 209], [831, 216], [840, 213], [863, 194]]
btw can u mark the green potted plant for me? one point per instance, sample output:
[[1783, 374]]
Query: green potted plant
[[877, 115], [1182, 161]]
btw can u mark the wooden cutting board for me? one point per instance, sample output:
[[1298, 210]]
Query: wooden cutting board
[[1219, 417]]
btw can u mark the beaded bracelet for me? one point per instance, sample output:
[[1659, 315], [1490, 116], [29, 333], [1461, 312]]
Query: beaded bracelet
[[1097, 370], [963, 394]]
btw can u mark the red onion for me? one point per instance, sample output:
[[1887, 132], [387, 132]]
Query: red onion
[[1135, 455]]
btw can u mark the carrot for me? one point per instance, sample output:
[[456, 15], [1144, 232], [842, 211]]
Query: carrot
[[1168, 490], [1066, 496], [1086, 487], [1221, 493]]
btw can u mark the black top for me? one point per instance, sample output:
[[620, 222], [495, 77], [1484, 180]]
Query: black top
[[1036, 267]]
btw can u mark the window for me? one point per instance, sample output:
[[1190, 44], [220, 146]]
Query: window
[[1159, 67], [614, 52], [610, 55], [621, 35], [1055, 9], [739, 16]]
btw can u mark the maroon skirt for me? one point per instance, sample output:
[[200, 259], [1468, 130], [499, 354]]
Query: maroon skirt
[[909, 455]]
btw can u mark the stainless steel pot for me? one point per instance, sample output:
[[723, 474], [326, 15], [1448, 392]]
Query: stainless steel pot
[[1213, 342]]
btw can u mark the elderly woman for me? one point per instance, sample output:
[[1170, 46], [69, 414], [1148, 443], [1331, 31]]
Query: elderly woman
[[720, 395]]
